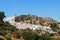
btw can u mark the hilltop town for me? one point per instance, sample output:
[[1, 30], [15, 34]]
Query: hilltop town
[[32, 22], [28, 27]]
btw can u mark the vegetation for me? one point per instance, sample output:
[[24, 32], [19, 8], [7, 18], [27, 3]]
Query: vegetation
[[7, 30], [5, 27], [2, 16], [31, 18], [8, 38], [34, 19], [30, 35]]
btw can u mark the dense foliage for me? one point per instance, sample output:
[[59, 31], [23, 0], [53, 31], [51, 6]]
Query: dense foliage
[[5, 27]]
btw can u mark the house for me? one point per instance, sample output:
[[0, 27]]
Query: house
[[11, 20], [59, 24]]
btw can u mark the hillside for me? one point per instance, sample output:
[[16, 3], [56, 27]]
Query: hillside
[[32, 19], [9, 28]]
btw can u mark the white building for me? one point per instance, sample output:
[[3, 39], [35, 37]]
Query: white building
[[11, 20]]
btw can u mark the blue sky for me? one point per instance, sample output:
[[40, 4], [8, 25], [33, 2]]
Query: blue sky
[[43, 8]]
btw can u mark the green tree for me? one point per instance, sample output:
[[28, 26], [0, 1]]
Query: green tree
[[54, 26], [3, 32], [28, 35], [45, 36], [8, 38], [9, 27], [2, 15]]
